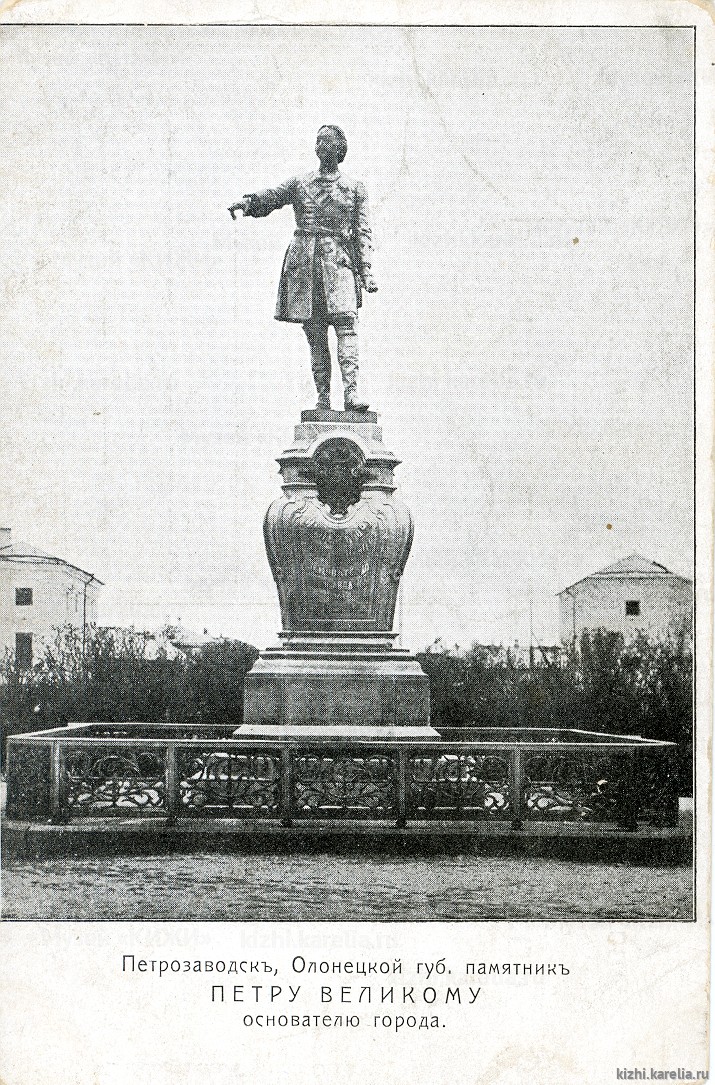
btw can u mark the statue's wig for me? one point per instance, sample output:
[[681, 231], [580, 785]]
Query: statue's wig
[[341, 139]]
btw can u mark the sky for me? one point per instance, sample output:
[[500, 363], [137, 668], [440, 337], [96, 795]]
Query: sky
[[529, 350]]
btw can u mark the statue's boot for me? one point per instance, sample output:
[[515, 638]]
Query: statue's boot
[[348, 359], [317, 335]]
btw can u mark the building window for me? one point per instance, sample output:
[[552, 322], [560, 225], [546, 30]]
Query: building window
[[23, 650], [23, 597], [633, 608]]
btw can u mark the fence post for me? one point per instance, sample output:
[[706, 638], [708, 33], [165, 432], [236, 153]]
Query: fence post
[[286, 787], [171, 784], [672, 811], [629, 797], [516, 787], [57, 813], [401, 788]]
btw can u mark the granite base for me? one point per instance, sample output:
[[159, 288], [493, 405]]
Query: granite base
[[340, 682]]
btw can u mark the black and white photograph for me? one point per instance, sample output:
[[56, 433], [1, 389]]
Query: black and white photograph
[[350, 580]]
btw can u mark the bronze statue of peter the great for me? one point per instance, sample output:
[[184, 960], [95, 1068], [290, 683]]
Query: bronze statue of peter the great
[[327, 264]]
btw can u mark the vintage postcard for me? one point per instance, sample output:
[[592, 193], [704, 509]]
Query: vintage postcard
[[356, 542]]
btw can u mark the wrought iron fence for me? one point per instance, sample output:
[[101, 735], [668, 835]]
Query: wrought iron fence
[[129, 771]]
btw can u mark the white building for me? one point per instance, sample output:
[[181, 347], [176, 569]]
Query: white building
[[171, 642], [40, 593], [633, 596]]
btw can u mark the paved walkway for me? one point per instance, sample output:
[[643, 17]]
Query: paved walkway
[[328, 886]]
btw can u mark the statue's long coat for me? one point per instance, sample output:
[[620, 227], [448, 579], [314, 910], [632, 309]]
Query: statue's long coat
[[332, 238]]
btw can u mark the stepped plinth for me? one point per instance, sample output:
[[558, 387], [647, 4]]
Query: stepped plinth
[[337, 543]]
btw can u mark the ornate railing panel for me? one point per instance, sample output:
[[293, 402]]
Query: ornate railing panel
[[459, 785], [621, 788], [29, 774], [571, 786], [656, 789], [343, 785], [113, 780], [222, 783]]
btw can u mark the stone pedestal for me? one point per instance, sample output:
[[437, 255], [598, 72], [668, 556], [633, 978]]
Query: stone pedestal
[[337, 542]]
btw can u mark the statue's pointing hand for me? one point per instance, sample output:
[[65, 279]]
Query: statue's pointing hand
[[369, 283], [241, 205]]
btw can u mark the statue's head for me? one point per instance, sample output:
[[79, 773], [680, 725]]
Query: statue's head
[[331, 143]]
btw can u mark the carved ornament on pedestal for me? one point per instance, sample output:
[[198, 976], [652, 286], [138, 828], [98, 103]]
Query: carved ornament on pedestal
[[337, 545]]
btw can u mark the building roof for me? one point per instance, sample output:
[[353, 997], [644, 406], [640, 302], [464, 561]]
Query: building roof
[[634, 563], [634, 566], [20, 552], [188, 639]]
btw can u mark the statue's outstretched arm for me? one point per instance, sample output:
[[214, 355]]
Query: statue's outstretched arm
[[260, 204]]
